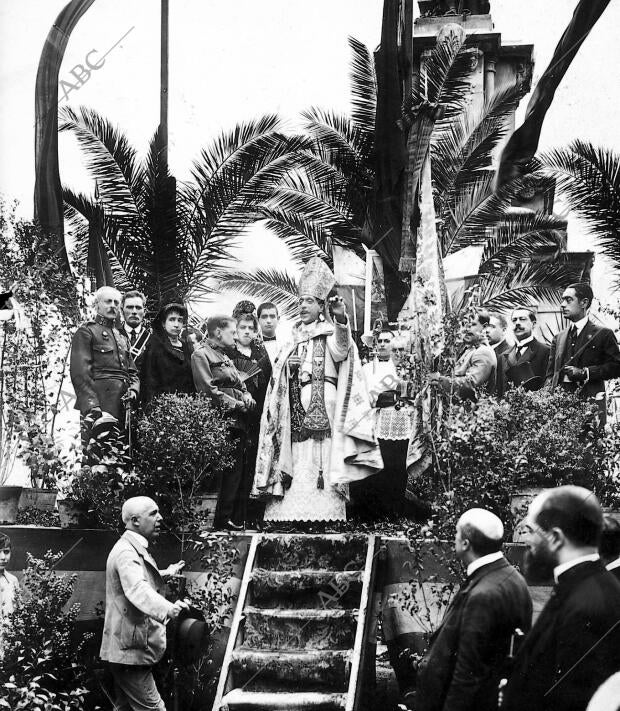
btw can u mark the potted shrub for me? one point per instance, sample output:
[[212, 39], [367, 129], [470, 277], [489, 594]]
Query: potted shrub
[[184, 450], [491, 450], [42, 455]]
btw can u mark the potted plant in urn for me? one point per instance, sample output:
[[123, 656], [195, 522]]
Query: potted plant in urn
[[184, 450]]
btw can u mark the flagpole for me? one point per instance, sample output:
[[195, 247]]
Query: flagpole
[[163, 95]]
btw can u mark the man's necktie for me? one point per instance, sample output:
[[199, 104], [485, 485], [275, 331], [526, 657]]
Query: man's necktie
[[133, 338], [572, 342], [268, 338]]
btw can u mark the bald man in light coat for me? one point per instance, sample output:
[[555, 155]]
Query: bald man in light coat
[[136, 612], [462, 669]]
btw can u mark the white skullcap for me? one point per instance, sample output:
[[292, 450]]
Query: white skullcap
[[484, 521]]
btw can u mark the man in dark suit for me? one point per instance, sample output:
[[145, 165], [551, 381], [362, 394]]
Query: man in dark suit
[[525, 363], [134, 326], [585, 355], [609, 547], [464, 664], [575, 644]]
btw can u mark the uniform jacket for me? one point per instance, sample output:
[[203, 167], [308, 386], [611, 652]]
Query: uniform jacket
[[474, 371], [463, 667], [101, 367], [536, 354], [165, 369], [135, 609], [216, 375], [596, 349], [573, 647]]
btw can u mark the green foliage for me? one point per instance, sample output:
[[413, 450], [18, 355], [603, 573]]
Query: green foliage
[[185, 445], [42, 667], [588, 179], [145, 230], [212, 595], [34, 348], [487, 450]]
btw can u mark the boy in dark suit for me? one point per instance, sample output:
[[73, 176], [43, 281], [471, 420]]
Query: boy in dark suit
[[575, 644], [464, 664], [585, 355]]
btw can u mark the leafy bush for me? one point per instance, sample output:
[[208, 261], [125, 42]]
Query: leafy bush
[[42, 667], [487, 450], [184, 448], [35, 351]]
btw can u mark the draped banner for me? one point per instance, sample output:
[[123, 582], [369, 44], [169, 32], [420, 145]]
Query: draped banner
[[48, 206], [428, 302], [524, 141]]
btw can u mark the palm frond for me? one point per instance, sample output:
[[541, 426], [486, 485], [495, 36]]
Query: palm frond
[[110, 159], [520, 237], [303, 237], [446, 76], [363, 86], [229, 188], [272, 285], [528, 284], [338, 140], [588, 178], [466, 144]]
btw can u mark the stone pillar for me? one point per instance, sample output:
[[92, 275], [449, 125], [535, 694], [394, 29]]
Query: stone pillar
[[490, 64]]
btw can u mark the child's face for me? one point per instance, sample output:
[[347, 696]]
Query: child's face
[[5, 558]]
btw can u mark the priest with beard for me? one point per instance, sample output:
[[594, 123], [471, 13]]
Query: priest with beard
[[575, 644], [317, 430]]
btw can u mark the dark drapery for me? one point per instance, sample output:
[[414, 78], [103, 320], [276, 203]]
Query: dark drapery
[[48, 207], [524, 141]]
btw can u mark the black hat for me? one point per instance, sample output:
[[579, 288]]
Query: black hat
[[523, 374], [4, 300]]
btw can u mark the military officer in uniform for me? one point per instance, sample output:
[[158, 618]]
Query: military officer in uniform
[[102, 369]]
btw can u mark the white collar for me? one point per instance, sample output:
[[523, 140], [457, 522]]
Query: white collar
[[495, 346], [580, 325], [614, 564], [563, 567], [524, 342], [137, 330], [138, 537], [484, 560]]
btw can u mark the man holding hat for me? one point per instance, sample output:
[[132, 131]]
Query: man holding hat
[[136, 611], [316, 431]]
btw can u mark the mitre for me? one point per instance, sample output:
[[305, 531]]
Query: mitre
[[317, 279]]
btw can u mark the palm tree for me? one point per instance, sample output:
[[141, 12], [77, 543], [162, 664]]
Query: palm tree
[[588, 178], [330, 200], [143, 230]]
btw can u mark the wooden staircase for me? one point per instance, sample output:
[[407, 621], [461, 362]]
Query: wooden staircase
[[302, 626]]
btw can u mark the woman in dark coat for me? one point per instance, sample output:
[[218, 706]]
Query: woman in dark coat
[[166, 367]]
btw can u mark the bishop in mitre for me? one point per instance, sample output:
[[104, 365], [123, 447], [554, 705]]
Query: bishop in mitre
[[317, 430]]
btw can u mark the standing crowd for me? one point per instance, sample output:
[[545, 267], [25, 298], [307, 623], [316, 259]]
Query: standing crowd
[[312, 425]]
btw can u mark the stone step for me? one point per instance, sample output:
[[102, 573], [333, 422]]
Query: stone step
[[306, 552], [308, 670], [306, 588], [275, 629], [239, 700]]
